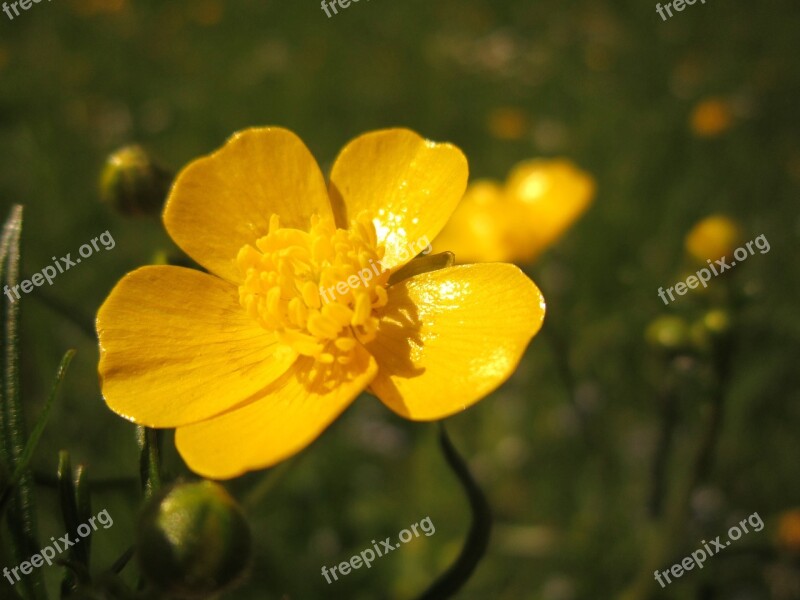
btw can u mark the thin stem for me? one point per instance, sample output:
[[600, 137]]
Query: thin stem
[[269, 481], [667, 534], [454, 578], [149, 442], [669, 419]]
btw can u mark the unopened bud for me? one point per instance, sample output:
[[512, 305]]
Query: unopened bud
[[193, 541], [668, 332], [133, 184], [711, 330]]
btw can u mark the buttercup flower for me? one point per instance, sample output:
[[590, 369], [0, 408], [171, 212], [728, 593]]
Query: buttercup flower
[[517, 221], [712, 237], [249, 362]]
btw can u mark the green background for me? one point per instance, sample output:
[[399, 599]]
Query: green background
[[565, 449]]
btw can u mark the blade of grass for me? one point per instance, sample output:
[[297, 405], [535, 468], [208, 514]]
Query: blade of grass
[[36, 434], [5, 243], [22, 516]]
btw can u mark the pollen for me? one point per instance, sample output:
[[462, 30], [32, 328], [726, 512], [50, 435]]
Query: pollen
[[318, 290]]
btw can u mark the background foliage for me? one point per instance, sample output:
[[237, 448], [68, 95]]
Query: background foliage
[[565, 449]]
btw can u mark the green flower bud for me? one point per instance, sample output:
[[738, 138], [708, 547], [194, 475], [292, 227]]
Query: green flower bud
[[133, 184], [668, 332], [712, 329], [193, 541], [717, 322]]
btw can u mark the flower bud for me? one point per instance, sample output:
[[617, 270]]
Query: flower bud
[[133, 184], [193, 541], [668, 333], [711, 329]]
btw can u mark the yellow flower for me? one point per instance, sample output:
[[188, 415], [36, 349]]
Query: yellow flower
[[711, 117], [253, 361], [712, 238], [519, 220]]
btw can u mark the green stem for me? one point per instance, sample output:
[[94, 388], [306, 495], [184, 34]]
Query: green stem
[[149, 442], [454, 578], [269, 481], [664, 537]]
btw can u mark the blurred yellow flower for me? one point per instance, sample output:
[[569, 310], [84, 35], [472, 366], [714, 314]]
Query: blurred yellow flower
[[712, 238], [250, 363], [517, 221], [789, 530], [711, 117]]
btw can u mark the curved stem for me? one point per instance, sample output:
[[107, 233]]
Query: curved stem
[[454, 578]]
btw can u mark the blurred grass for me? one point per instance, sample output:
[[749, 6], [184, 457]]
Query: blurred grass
[[606, 84]]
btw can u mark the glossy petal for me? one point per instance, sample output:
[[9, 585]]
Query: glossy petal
[[290, 415], [409, 185], [176, 347], [449, 337], [223, 201], [552, 195], [477, 230]]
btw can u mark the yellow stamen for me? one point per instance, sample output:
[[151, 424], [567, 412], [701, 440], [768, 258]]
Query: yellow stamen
[[293, 281]]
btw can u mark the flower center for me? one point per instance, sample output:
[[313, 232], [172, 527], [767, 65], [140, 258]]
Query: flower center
[[315, 290]]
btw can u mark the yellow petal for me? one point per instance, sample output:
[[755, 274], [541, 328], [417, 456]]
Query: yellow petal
[[712, 238], [176, 347], [447, 338], [408, 185], [223, 201], [290, 415], [552, 195], [477, 230]]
